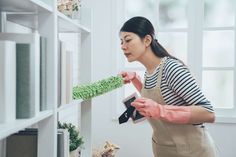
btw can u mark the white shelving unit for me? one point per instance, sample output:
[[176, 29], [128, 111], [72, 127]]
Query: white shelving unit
[[48, 22]]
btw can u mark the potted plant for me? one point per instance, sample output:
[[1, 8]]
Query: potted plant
[[69, 7], [76, 141]]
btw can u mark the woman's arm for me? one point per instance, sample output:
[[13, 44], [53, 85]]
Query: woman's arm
[[183, 84], [173, 114], [200, 115]]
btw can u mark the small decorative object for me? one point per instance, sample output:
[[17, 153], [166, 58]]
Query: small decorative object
[[108, 150], [86, 92], [76, 141], [69, 7]]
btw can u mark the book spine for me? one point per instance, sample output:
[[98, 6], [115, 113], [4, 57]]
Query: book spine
[[63, 73], [43, 73], [59, 75], [3, 148], [69, 76], [35, 62], [25, 106], [7, 81]]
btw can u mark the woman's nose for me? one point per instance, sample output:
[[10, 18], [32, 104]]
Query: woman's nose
[[123, 46]]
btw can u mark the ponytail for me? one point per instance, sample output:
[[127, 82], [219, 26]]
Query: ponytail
[[159, 50]]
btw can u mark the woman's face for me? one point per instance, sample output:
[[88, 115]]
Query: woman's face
[[132, 46]]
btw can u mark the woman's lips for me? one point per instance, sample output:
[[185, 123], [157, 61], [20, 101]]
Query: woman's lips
[[127, 54]]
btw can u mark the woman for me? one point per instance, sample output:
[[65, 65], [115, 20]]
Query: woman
[[171, 99]]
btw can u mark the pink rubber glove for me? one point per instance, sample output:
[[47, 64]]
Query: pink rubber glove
[[132, 77], [151, 109]]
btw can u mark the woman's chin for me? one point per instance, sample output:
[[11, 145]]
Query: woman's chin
[[130, 59]]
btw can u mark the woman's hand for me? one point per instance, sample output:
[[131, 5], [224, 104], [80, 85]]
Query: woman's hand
[[147, 107], [128, 76], [132, 77]]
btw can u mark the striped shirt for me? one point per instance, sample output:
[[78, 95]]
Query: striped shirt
[[178, 87]]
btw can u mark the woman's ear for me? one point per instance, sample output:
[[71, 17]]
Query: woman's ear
[[147, 40]]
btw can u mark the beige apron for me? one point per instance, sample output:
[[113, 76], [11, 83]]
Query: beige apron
[[175, 140]]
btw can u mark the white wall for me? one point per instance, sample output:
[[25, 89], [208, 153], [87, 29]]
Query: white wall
[[224, 136], [134, 140]]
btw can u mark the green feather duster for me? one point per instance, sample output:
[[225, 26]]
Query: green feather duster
[[89, 91]]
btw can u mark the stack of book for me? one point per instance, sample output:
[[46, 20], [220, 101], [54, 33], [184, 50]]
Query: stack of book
[[24, 75], [26, 58]]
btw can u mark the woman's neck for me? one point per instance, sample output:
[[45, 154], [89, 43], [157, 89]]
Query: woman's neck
[[150, 61]]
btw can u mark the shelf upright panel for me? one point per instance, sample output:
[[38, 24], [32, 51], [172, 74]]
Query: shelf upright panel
[[86, 77], [47, 136], [83, 27]]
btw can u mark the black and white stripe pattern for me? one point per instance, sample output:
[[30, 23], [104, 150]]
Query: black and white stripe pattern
[[178, 86]]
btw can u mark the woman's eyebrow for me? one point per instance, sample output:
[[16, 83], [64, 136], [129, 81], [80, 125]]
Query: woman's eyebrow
[[126, 36]]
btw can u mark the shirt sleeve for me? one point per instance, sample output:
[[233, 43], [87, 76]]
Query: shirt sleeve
[[180, 80]]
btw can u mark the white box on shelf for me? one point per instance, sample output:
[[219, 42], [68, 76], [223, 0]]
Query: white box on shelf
[[63, 143], [7, 81]]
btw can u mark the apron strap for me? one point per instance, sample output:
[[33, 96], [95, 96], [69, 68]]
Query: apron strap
[[159, 77]]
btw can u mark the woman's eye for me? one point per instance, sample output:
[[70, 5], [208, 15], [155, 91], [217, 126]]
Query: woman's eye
[[128, 40]]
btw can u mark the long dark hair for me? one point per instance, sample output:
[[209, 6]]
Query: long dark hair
[[142, 27]]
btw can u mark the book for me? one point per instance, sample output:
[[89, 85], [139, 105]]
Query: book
[[69, 76], [59, 74], [23, 143], [7, 81], [25, 98], [28, 73], [43, 73], [63, 73], [3, 148]]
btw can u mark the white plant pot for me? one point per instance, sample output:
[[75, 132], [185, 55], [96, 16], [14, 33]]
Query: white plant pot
[[75, 153]]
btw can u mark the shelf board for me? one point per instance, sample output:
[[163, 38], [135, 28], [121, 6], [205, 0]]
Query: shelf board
[[19, 124], [24, 12], [26, 20], [73, 103], [67, 24], [24, 6]]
